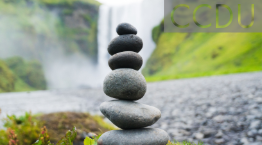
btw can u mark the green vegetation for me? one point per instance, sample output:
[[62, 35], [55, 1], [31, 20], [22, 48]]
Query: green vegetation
[[7, 78], [89, 141], [157, 31], [26, 127], [186, 55], [44, 137], [30, 72], [59, 123], [25, 130], [36, 28], [20, 75], [39, 30]]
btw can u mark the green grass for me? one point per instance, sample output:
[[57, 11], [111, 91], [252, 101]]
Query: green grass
[[7, 78], [30, 72], [45, 129], [186, 55], [17, 75], [28, 127], [34, 25]]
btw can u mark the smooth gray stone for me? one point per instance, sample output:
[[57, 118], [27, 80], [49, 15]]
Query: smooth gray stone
[[145, 136], [127, 59], [122, 43], [125, 84], [125, 28], [129, 114]]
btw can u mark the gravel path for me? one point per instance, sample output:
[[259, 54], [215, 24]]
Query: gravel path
[[225, 110]]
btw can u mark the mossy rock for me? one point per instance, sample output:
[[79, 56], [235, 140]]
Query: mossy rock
[[7, 78], [187, 55], [71, 30], [58, 123], [31, 72]]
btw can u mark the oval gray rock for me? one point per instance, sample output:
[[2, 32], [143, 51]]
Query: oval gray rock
[[129, 114], [127, 59], [125, 28], [145, 136], [122, 43], [125, 84]]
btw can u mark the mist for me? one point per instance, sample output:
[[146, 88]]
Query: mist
[[32, 34], [40, 33]]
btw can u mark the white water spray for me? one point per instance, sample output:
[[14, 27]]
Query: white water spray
[[144, 15]]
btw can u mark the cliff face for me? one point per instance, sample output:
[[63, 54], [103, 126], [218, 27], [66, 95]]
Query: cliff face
[[45, 31], [7, 79], [184, 55], [37, 29], [78, 26], [16, 74]]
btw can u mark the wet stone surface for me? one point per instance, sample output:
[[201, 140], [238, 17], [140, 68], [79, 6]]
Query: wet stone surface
[[123, 43], [125, 28], [146, 136], [127, 59], [129, 114], [223, 110], [125, 84]]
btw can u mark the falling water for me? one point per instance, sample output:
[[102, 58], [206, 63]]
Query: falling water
[[74, 71], [144, 15]]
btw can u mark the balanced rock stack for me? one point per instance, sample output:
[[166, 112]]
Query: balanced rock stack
[[127, 85]]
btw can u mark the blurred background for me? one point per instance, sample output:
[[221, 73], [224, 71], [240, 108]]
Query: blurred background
[[54, 53], [62, 44]]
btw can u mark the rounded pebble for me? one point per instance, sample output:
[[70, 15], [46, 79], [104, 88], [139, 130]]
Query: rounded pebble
[[129, 114], [125, 28], [125, 43], [125, 84], [126, 59], [145, 136]]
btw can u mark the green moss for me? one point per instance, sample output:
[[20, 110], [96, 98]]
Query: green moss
[[25, 127], [17, 75], [103, 124], [67, 11], [186, 55], [28, 127], [35, 20], [30, 72], [7, 78], [157, 31]]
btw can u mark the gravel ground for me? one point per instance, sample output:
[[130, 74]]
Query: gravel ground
[[220, 110]]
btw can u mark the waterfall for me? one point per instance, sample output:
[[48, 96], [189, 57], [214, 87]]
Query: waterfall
[[144, 15], [103, 41], [63, 70]]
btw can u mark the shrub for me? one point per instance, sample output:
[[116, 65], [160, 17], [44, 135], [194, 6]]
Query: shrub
[[59, 123], [25, 130], [68, 139], [31, 72], [26, 127], [7, 78]]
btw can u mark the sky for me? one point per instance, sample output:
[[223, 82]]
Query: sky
[[117, 2]]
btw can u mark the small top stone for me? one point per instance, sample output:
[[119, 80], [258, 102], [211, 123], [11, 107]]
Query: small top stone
[[125, 28]]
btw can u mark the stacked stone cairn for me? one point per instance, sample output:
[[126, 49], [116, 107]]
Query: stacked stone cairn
[[126, 84]]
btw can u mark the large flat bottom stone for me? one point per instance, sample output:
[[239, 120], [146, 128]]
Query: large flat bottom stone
[[145, 136]]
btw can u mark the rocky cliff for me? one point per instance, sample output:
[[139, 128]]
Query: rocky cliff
[[17, 74], [36, 29], [184, 55]]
